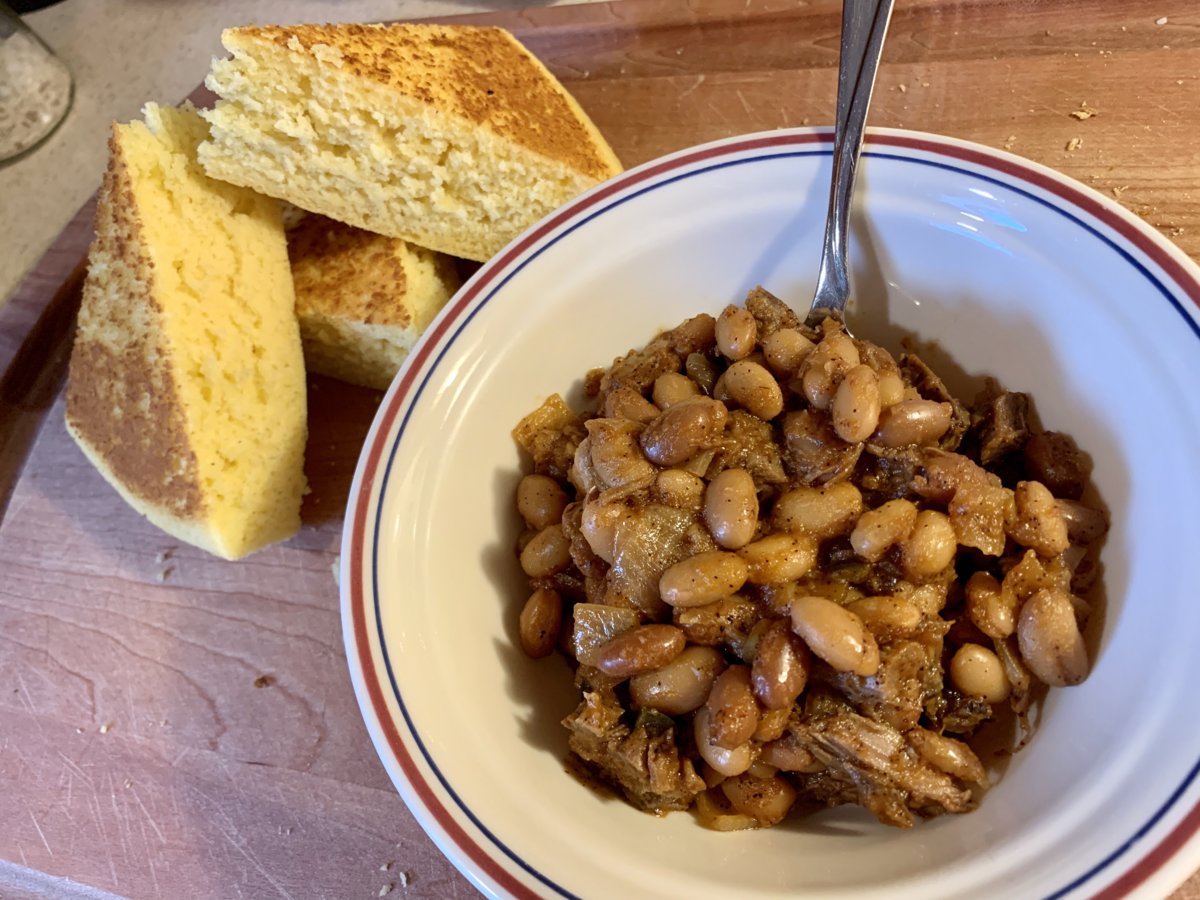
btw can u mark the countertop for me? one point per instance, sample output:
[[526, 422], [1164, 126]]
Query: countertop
[[176, 725]]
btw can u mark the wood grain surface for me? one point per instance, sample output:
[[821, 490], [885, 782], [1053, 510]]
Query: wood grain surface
[[175, 725]]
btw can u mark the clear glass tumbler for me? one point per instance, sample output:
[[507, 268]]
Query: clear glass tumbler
[[35, 87]]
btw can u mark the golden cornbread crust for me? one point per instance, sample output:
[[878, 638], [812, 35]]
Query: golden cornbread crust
[[122, 402], [363, 299], [186, 384], [483, 75], [340, 267], [451, 138]]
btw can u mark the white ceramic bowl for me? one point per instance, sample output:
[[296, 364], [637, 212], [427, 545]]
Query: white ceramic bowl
[[1016, 272]]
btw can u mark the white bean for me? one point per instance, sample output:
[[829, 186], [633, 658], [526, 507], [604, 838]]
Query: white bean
[[785, 350], [540, 500], [877, 530], [680, 489], [821, 512], [977, 672], [540, 622], [930, 546], [855, 408], [732, 709], [731, 508], [737, 332], [906, 422], [754, 389], [836, 635], [682, 685], [671, 388], [766, 800], [779, 558], [548, 553], [1039, 523], [599, 524], [682, 431], [1049, 638], [703, 578], [726, 762]]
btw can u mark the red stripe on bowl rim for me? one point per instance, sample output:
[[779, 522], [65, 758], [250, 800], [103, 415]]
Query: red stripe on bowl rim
[[1114, 218]]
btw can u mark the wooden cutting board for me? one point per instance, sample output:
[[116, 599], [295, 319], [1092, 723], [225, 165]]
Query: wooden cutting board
[[177, 725]]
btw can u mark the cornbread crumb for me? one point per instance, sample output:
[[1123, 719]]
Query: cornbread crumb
[[363, 299], [186, 381], [453, 138]]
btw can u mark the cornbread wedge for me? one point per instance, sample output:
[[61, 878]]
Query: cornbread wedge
[[453, 138], [363, 299], [186, 385]]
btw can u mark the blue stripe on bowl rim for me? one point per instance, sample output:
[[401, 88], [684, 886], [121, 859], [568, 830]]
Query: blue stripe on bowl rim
[[506, 269]]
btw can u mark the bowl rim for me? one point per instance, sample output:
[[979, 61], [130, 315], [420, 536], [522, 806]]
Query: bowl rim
[[486, 867]]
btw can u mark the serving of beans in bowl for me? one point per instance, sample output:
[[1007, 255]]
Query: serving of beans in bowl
[[792, 571]]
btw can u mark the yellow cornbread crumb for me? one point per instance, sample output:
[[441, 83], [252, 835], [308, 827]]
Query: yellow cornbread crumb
[[453, 138], [186, 386], [363, 299]]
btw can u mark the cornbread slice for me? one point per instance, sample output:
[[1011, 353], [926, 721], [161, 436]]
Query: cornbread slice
[[363, 299], [186, 385], [453, 138]]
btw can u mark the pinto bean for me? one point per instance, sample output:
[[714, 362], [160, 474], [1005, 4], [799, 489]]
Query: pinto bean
[[540, 623], [855, 406], [547, 554], [540, 501], [754, 389], [683, 430], [779, 558], [731, 508], [779, 672], [732, 709], [680, 686], [836, 635], [1049, 639], [737, 332], [908, 422], [702, 579], [641, 649]]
